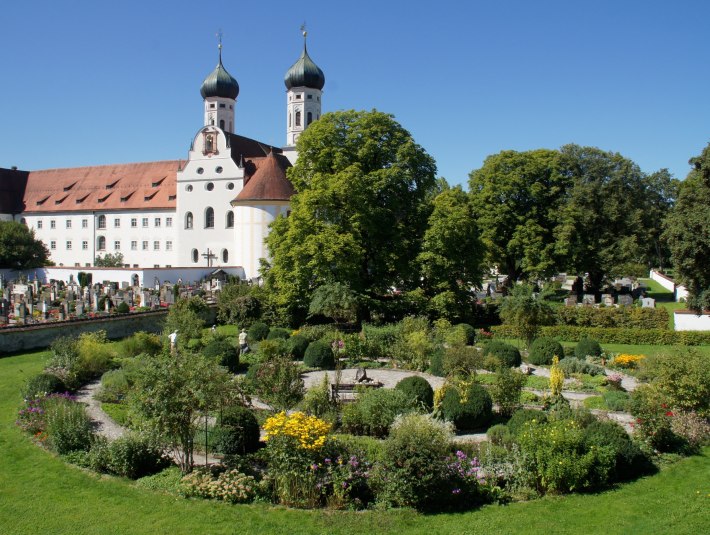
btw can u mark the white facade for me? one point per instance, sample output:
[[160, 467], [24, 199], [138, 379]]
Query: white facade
[[252, 227], [685, 320], [303, 107]]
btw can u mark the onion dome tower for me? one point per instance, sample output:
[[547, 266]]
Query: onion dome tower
[[219, 91], [304, 88]]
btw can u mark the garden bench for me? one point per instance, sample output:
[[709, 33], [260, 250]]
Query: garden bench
[[347, 392]]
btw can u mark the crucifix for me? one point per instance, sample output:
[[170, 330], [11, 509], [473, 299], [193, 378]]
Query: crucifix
[[209, 255]]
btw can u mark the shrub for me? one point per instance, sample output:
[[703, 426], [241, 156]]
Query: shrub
[[258, 332], [570, 365], [223, 352], [317, 401], [507, 354], [114, 386], [629, 461], [521, 417], [100, 455], [624, 360], [238, 432], [468, 331], [68, 426], [302, 431], [296, 346], [616, 400], [230, 486], [95, 356], [470, 409], [381, 340], [375, 410], [615, 335], [683, 378], [140, 343], [507, 389], [653, 418], [135, 456], [543, 349], [436, 363], [419, 390], [277, 382], [691, 427], [43, 384], [461, 360], [319, 332], [319, 355], [499, 435], [624, 317], [413, 468], [123, 308], [64, 352], [278, 333], [587, 347]]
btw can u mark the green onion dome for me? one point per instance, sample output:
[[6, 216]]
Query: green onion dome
[[219, 83], [304, 73]]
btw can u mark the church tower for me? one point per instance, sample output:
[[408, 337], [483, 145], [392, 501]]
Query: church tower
[[219, 91], [304, 88]]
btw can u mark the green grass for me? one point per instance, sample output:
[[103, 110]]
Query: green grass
[[39, 493], [117, 411]]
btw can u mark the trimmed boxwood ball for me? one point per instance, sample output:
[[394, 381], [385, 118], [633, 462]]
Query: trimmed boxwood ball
[[507, 354], [278, 333], [238, 432], [296, 346], [418, 390], [630, 462], [543, 349], [522, 416], [258, 332], [587, 347], [44, 383], [474, 413], [319, 355]]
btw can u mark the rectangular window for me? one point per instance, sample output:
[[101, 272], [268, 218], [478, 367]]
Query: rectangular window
[[168, 221], [134, 245], [85, 245], [156, 246], [117, 245], [52, 224], [117, 223], [134, 222], [39, 224], [84, 223], [221, 105], [68, 246], [77, 264], [310, 97], [145, 245], [145, 222], [168, 246], [68, 223], [157, 221], [52, 245]]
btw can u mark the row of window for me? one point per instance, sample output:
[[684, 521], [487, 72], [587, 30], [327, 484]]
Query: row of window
[[196, 256], [297, 119], [101, 222], [209, 186], [101, 245], [209, 219]]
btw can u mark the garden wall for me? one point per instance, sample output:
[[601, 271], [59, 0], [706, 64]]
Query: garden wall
[[685, 320], [14, 339], [660, 278]]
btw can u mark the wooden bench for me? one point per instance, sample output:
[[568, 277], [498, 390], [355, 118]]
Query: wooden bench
[[347, 392]]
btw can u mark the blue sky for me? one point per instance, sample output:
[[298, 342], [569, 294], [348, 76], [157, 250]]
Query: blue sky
[[92, 82]]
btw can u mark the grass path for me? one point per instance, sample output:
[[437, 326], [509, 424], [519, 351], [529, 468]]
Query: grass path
[[41, 494]]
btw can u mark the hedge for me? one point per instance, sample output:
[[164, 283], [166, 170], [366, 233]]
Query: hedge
[[614, 335], [628, 317]]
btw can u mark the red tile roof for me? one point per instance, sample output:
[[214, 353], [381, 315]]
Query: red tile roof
[[269, 182]]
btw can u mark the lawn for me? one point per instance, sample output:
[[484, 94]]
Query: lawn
[[41, 494]]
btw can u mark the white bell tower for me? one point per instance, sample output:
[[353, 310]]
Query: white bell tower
[[219, 91]]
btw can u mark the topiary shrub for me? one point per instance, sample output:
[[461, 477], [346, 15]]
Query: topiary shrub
[[471, 411], [319, 355], [587, 347], [135, 456], [278, 333], [523, 416], [543, 349], [572, 365], [630, 461], [123, 308], [258, 332], [296, 346], [507, 354], [238, 432], [43, 383], [221, 350], [418, 390]]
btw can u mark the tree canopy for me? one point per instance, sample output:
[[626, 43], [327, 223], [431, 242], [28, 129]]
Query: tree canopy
[[359, 212], [19, 249], [687, 231]]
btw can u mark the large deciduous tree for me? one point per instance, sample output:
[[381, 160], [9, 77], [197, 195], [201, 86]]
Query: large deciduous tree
[[687, 231], [359, 213], [451, 255], [516, 198], [19, 249]]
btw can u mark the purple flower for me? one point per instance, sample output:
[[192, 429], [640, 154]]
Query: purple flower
[[327, 460], [456, 491]]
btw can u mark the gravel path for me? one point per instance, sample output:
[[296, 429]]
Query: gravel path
[[103, 423], [388, 377]]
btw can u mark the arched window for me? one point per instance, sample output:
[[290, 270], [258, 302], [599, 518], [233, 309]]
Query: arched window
[[309, 118], [101, 243], [195, 256], [221, 124], [209, 217], [225, 256], [188, 220], [102, 221], [230, 220], [289, 120], [298, 118]]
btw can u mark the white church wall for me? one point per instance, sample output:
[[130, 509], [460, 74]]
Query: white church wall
[[252, 227], [686, 320]]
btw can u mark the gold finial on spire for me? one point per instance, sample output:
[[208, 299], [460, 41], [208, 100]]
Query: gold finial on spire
[[219, 43]]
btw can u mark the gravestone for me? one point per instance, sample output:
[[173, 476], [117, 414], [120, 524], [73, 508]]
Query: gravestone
[[571, 301], [588, 299], [608, 300], [626, 300], [107, 304], [648, 302], [145, 298], [124, 285], [94, 302], [22, 311], [79, 308]]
